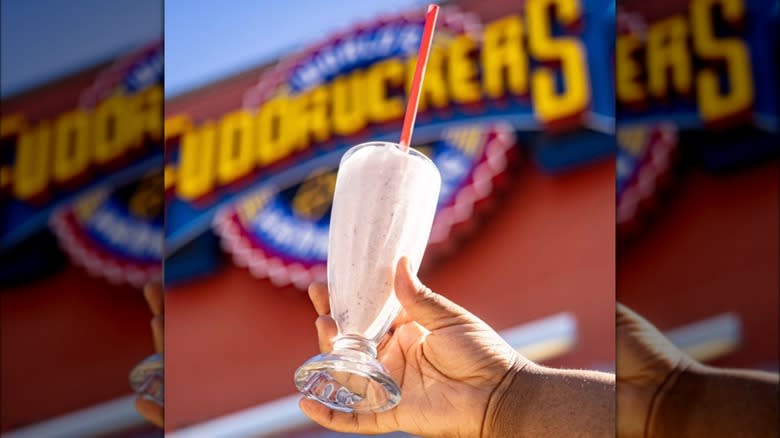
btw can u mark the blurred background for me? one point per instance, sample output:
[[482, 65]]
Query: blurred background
[[81, 223], [698, 175], [262, 100]]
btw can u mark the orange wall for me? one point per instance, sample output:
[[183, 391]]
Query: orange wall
[[68, 341], [233, 341], [713, 248]]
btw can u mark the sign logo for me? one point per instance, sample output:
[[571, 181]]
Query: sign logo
[[645, 159], [117, 232], [263, 174], [702, 63], [75, 170], [282, 232]]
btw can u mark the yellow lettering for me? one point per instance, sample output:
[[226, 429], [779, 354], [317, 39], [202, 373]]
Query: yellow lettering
[[169, 177], [667, 50], [177, 126], [31, 166], [713, 104], [274, 136], [236, 157], [197, 155], [151, 113], [462, 71], [11, 125], [312, 116], [71, 145], [434, 86], [549, 104], [628, 88], [110, 125], [347, 106], [504, 62], [388, 74]]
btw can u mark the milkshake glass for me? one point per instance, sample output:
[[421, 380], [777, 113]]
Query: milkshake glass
[[383, 209]]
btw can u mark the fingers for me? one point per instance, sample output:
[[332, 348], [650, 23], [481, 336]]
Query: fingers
[[158, 333], [340, 421], [421, 304], [630, 323], [150, 410], [624, 315], [326, 331], [641, 347], [326, 326], [318, 294], [154, 298]]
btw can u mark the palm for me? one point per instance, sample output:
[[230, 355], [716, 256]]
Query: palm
[[444, 374]]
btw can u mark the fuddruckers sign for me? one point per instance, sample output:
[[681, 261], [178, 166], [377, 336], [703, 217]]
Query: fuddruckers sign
[[90, 172], [263, 174], [701, 70], [701, 63]]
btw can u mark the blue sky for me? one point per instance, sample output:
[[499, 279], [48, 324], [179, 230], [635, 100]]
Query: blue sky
[[206, 39], [42, 40]]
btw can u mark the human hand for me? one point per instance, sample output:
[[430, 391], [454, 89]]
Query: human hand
[[154, 297], [450, 366], [647, 366]]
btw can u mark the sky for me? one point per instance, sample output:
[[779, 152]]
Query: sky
[[42, 40], [205, 40]]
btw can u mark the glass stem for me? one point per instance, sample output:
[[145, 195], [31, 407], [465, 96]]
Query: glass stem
[[355, 343]]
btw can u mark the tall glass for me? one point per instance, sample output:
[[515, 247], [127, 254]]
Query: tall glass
[[383, 209]]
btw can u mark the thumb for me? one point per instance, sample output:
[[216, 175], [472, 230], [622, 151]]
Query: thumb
[[421, 304]]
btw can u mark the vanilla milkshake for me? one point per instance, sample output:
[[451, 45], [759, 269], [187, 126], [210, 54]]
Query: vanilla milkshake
[[383, 209]]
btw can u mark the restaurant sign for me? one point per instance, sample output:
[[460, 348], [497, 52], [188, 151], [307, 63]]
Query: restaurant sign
[[87, 173], [262, 175]]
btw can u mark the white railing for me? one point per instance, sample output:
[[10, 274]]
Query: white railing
[[710, 338], [114, 415]]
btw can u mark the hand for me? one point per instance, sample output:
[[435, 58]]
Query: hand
[[647, 364], [154, 297], [449, 364]]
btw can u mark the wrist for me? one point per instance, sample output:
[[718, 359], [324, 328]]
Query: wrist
[[672, 400], [535, 399], [708, 401], [506, 398]]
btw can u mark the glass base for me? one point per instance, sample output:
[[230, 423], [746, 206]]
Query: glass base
[[146, 379], [348, 381]]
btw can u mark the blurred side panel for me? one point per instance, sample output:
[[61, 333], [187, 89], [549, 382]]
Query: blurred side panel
[[81, 223], [698, 179]]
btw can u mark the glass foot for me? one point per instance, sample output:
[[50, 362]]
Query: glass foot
[[348, 381], [146, 379]]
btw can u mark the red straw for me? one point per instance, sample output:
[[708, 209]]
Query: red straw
[[419, 73]]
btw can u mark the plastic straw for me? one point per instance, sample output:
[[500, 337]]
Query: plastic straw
[[419, 73]]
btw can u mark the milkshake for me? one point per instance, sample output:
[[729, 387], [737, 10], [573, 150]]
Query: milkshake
[[383, 209]]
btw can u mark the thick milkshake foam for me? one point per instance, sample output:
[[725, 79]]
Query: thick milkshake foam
[[383, 209]]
